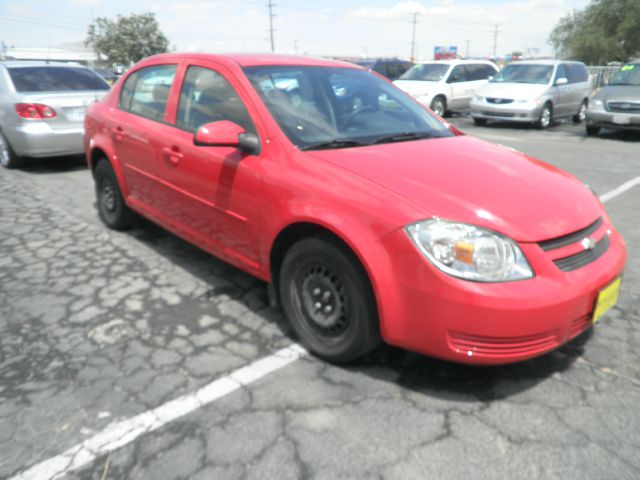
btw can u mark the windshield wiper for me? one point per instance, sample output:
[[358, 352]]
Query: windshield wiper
[[402, 137], [331, 144]]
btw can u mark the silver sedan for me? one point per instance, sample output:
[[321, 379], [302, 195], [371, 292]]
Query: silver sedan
[[42, 107]]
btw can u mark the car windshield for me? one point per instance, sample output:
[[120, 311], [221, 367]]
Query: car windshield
[[428, 72], [525, 73], [333, 107], [55, 79], [627, 75]]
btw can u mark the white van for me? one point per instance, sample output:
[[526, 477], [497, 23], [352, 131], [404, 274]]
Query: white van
[[446, 85]]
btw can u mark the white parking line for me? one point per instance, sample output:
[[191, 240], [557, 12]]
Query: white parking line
[[121, 433], [620, 190]]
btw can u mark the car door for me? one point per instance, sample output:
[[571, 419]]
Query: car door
[[460, 92], [213, 192], [133, 128], [561, 93]]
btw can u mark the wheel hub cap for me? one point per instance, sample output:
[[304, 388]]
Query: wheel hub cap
[[108, 197], [323, 300]]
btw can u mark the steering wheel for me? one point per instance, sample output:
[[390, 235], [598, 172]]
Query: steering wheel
[[355, 113]]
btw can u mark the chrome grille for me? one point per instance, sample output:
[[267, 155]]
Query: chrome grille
[[501, 101], [624, 107]]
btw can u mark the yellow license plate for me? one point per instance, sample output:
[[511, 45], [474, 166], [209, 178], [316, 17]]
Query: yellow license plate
[[607, 298]]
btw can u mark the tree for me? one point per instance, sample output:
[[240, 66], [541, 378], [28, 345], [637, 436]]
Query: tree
[[604, 31], [128, 39]]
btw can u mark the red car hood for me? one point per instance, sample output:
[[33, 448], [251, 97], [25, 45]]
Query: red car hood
[[469, 180]]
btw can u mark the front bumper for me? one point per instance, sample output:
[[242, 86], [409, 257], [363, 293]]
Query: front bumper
[[424, 310], [602, 118], [510, 112], [38, 139]]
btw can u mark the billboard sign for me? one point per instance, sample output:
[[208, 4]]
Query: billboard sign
[[445, 53]]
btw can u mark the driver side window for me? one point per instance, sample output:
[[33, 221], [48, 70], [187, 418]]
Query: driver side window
[[207, 96]]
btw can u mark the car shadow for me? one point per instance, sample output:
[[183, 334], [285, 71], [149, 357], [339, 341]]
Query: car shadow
[[52, 165], [629, 136], [416, 372]]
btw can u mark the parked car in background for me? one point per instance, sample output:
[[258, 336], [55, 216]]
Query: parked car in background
[[392, 68], [42, 107], [446, 85], [536, 92], [371, 219], [617, 105], [108, 75]]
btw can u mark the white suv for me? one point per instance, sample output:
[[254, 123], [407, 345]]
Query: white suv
[[446, 85]]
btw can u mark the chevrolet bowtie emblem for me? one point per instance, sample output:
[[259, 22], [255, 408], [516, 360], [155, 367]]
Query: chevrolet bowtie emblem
[[588, 243]]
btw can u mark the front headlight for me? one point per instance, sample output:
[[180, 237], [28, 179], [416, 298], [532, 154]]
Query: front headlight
[[597, 104], [478, 98], [469, 252]]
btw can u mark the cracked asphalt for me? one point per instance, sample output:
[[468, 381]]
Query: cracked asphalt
[[98, 326]]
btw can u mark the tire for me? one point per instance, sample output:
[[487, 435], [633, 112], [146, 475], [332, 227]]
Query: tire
[[546, 117], [112, 210], [439, 105], [327, 297], [8, 158], [582, 113], [480, 122], [592, 131]]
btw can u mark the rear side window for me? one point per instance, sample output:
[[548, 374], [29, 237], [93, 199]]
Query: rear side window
[[478, 71], [457, 75], [55, 79], [577, 72], [145, 92]]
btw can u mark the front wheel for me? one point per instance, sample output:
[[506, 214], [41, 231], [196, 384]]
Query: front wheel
[[480, 122], [327, 297], [546, 117], [111, 206], [592, 131], [8, 158]]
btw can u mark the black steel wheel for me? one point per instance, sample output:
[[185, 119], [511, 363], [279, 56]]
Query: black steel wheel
[[592, 130], [111, 206], [328, 299], [480, 122], [8, 158]]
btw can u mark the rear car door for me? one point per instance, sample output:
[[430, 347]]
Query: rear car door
[[212, 192], [135, 130]]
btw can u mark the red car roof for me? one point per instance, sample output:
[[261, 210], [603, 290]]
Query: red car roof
[[256, 59]]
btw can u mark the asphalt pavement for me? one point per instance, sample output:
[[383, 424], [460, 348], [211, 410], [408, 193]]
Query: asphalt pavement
[[136, 355]]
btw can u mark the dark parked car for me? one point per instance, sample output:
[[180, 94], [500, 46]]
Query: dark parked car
[[392, 68]]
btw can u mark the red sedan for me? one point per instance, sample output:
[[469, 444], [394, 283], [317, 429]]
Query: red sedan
[[370, 217]]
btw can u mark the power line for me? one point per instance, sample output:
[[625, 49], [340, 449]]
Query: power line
[[271, 15], [495, 39], [413, 37]]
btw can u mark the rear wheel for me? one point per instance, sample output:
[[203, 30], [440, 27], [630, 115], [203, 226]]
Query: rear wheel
[[592, 130], [111, 207], [8, 158], [439, 105], [546, 117], [582, 113], [328, 299], [480, 121]]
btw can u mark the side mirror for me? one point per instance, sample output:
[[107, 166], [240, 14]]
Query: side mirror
[[491, 78], [561, 81], [226, 134]]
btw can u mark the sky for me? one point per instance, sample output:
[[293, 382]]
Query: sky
[[333, 27]]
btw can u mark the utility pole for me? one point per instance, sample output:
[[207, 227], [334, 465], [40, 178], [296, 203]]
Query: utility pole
[[413, 37], [466, 55], [295, 46], [495, 39], [271, 15]]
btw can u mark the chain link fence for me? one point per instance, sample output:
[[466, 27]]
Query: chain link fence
[[601, 75]]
